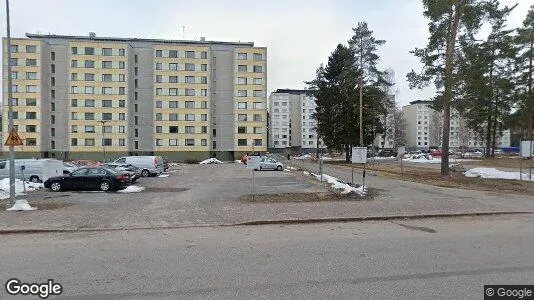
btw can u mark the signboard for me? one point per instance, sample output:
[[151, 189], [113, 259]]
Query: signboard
[[401, 150], [359, 155], [13, 139], [253, 162], [527, 149]]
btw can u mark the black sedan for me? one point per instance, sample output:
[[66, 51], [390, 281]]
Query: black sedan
[[90, 178]]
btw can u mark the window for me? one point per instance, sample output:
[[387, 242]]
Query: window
[[74, 90], [122, 65], [89, 89], [159, 78], [189, 129], [107, 51], [203, 67], [74, 63], [135, 95], [14, 61], [258, 130], [173, 142], [31, 89], [31, 102], [14, 101], [203, 117], [242, 93], [189, 117], [258, 69], [31, 142], [189, 79], [242, 117], [31, 115], [74, 142], [203, 92], [107, 90], [173, 79], [241, 80], [14, 48], [189, 67], [89, 116], [89, 77], [74, 50], [31, 128], [204, 104], [159, 142], [52, 106], [89, 129], [107, 64], [159, 66], [122, 142], [258, 93], [173, 53], [107, 103], [173, 92], [259, 105], [189, 104], [241, 105], [173, 104], [241, 56], [189, 54], [15, 115], [159, 117], [159, 91], [241, 142], [159, 129], [258, 56], [74, 116], [107, 116], [173, 117], [241, 129], [136, 145], [122, 90], [241, 68], [31, 75], [108, 129], [91, 64], [159, 104], [107, 77], [89, 142], [135, 107], [189, 142], [31, 62], [89, 51], [122, 52], [203, 80], [204, 129], [159, 53], [74, 128], [15, 75], [189, 92], [258, 118], [204, 55], [258, 142], [15, 88], [173, 129], [173, 67]]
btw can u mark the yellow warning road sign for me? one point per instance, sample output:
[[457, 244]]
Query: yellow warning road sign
[[13, 139]]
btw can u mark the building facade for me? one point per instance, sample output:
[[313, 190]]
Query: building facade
[[291, 122], [81, 96], [424, 129]]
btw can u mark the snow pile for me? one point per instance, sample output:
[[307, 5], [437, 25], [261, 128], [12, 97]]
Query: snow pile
[[173, 164], [493, 173], [21, 205], [132, 189], [306, 173], [210, 161], [287, 170], [302, 157], [238, 161], [164, 175], [382, 158], [19, 187], [340, 185]]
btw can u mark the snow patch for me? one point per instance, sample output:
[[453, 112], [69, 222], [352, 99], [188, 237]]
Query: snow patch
[[132, 189], [340, 185], [19, 187], [210, 161], [305, 173], [493, 173], [21, 205], [164, 175], [238, 161]]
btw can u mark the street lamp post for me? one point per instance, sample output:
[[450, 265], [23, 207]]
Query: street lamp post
[[103, 138]]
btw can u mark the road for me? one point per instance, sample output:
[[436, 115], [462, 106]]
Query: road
[[424, 259]]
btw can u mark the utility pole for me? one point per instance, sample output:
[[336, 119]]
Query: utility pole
[[361, 92], [10, 112]]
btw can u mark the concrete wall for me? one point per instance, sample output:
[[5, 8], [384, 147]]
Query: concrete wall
[[222, 99]]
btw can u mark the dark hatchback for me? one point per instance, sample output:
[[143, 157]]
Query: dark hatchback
[[90, 178]]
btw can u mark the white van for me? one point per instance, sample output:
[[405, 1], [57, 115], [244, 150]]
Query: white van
[[35, 170], [149, 165]]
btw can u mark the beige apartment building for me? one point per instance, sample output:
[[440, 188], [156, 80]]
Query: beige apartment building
[[82, 96]]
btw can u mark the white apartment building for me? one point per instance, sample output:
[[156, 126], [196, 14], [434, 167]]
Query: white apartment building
[[424, 129], [291, 122]]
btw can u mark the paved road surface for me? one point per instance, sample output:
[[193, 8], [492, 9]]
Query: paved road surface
[[426, 259]]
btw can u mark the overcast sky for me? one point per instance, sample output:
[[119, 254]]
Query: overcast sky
[[299, 34]]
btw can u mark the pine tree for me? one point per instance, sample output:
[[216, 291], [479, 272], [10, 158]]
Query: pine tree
[[525, 42]]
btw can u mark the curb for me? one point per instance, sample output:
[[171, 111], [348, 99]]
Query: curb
[[267, 222]]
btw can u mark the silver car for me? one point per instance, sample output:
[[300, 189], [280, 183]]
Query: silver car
[[267, 163]]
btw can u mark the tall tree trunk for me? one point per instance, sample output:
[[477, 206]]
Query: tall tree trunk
[[361, 92], [530, 100], [447, 99], [490, 108]]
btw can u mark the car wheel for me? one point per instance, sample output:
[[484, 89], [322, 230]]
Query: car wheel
[[104, 186], [145, 173], [34, 179], [55, 186], [279, 168]]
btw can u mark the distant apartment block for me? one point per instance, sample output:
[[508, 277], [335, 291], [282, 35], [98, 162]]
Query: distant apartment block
[[73, 96], [291, 121], [424, 129]]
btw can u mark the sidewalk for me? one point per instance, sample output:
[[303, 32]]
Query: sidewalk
[[192, 208]]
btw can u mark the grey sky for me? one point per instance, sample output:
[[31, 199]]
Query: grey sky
[[299, 34]]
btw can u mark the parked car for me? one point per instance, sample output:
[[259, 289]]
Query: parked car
[[85, 163], [35, 170], [149, 165], [268, 163], [437, 153], [90, 178], [134, 172], [69, 168], [387, 153], [470, 154]]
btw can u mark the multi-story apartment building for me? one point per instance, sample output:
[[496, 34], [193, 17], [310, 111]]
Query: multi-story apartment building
[[291, 121], [80, 96], [424, 129]]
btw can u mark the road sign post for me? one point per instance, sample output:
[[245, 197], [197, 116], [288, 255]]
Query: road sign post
[[359, 156], [10, 111], [400, 154]]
